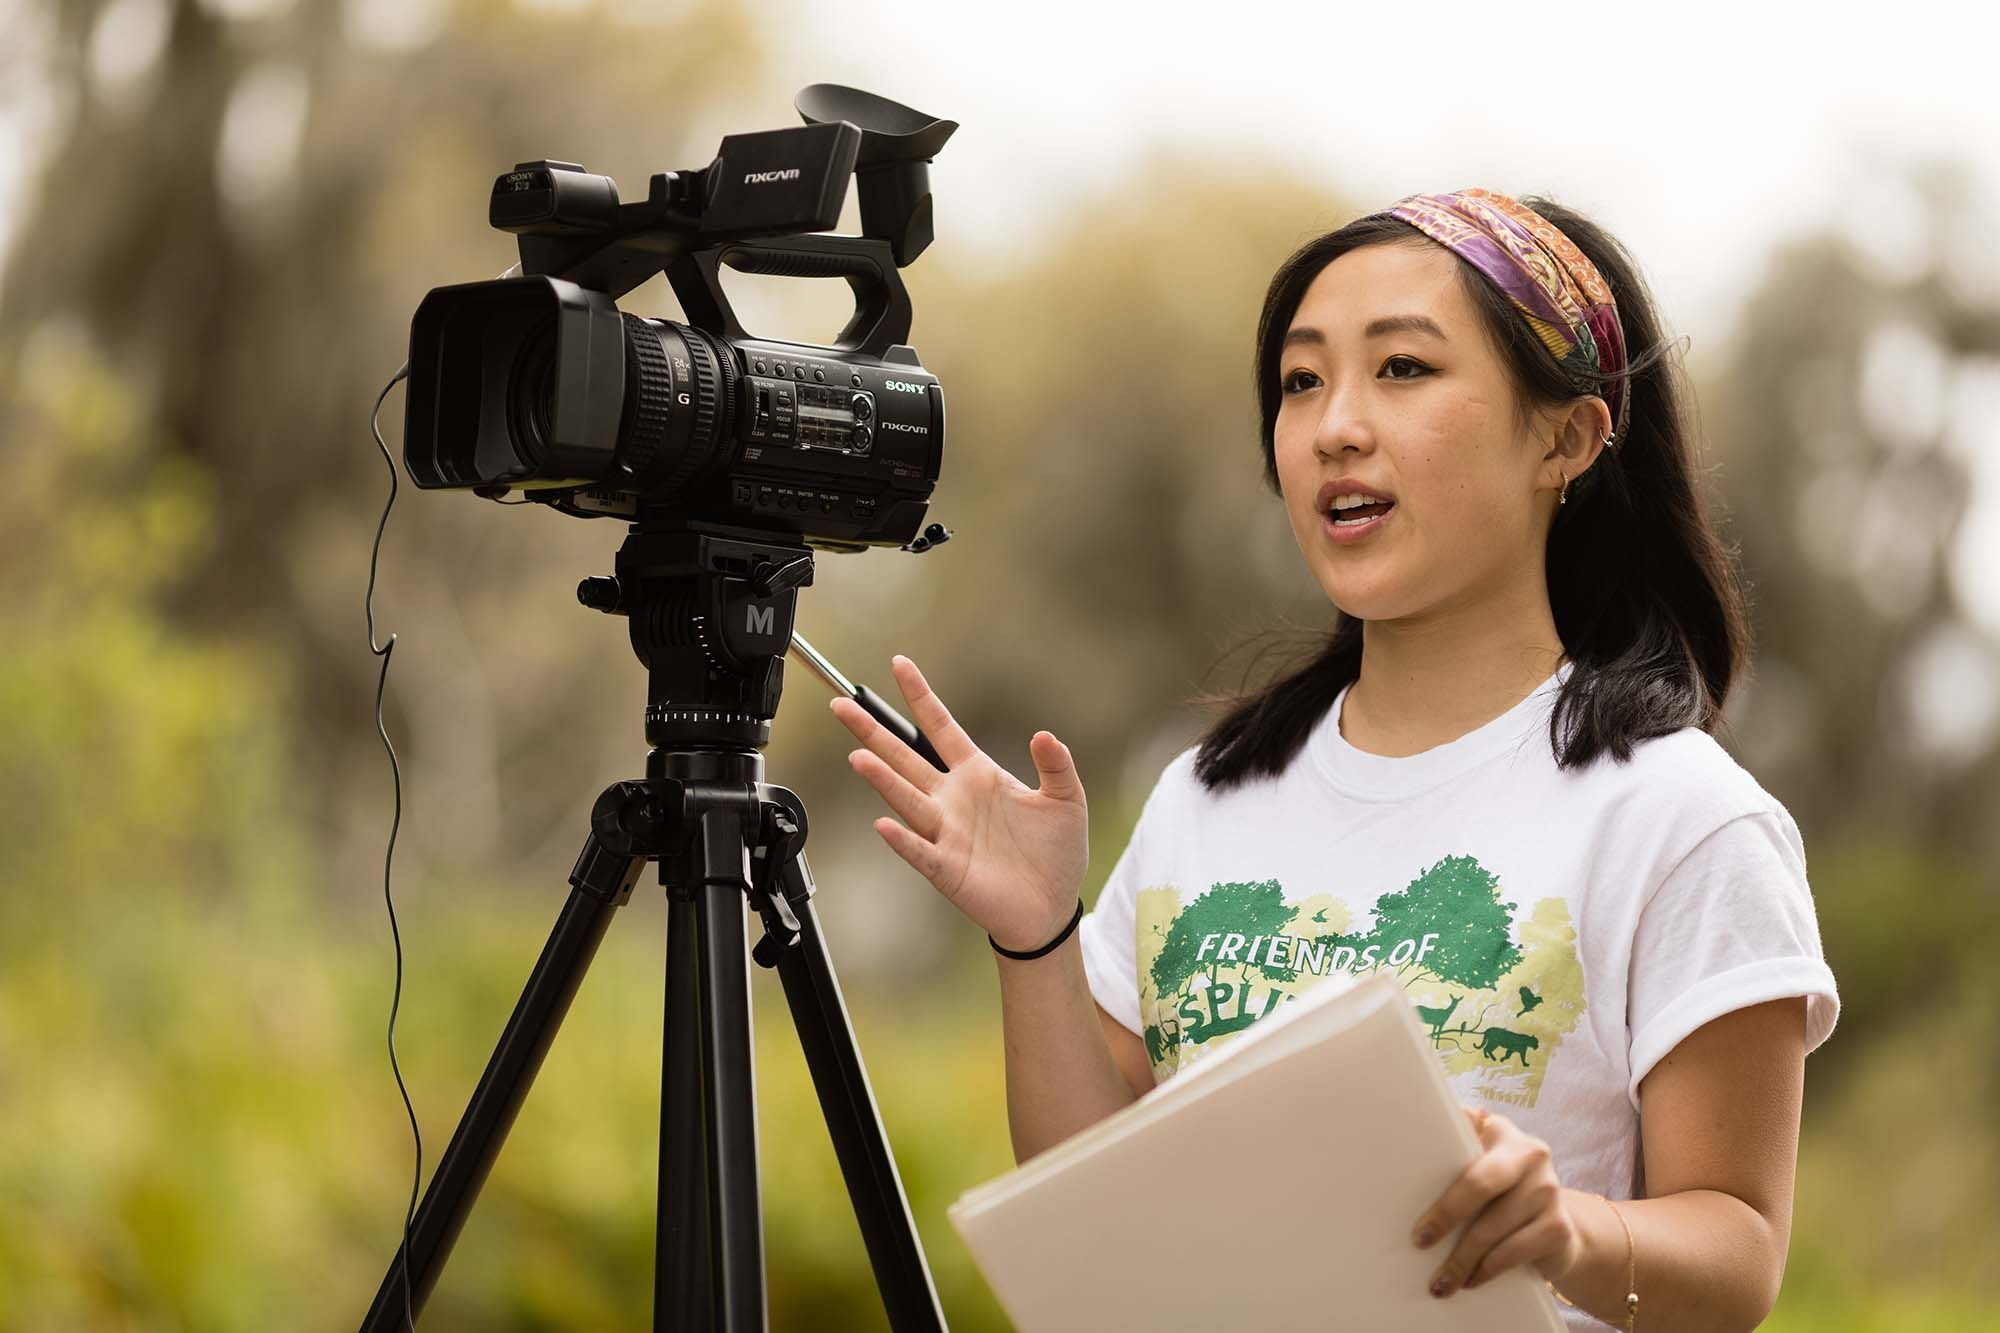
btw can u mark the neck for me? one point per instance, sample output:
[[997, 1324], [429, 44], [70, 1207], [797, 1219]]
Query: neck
[[1426, 680]]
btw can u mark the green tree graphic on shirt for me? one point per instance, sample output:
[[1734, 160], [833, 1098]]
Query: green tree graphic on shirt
[[1248, 909], [1458, 900], [1211, 966]]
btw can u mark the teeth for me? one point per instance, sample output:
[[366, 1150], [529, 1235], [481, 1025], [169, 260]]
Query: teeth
[[1353, 501]]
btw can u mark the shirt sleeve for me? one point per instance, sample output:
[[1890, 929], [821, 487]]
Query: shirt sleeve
[[1731, 925], [1110, 958]]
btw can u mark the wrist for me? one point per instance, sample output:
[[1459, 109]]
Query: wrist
[[1598, 1279], [1049, 942]]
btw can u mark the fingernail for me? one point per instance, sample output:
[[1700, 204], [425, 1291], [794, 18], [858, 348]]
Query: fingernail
[[1441, 1287], [1425, 1237]]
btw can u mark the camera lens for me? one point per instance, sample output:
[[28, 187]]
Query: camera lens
[[531, 393], [679, 392]]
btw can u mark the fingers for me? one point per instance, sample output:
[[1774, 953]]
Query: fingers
[[930, 715], [1510, 1193], [919, 811], [1056, 766], [922, 856], [1525, 1207], [1547, 1234], [900, 759], [1475, 1186]]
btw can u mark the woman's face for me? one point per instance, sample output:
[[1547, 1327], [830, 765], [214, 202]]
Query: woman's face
[[1424, 420]]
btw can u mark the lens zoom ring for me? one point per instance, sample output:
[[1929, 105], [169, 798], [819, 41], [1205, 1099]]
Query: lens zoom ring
[[700, 440], [650, 397]]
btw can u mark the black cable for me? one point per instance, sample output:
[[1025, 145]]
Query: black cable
[[384, 651]]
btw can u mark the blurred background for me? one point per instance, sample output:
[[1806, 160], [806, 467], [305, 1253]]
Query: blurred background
[[216, 219]]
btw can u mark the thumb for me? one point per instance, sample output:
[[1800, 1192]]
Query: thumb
[[1056, 767]]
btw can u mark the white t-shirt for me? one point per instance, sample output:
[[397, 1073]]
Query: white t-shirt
[[1558, 931]]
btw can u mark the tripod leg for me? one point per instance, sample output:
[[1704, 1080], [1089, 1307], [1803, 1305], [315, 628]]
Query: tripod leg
[[504, 1085], [681, 1294], [729, 1103], [812, 992]]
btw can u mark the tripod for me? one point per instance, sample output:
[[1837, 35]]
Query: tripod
[[711, 618]]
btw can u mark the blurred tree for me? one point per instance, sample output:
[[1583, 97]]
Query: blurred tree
[[1846, 433], [241, 206]]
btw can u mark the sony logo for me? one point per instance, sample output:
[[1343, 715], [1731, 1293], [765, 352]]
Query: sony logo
[[903, 386], [761, 177], [898, 425]]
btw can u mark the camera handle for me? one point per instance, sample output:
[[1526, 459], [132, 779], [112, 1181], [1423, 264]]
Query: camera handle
[[882, 313]]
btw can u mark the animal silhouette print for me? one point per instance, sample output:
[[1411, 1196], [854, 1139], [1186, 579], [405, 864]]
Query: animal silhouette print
[[1437, 1017], [1507, 1043]]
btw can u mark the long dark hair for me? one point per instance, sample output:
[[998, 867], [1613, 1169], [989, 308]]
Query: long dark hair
[[1646, 597]]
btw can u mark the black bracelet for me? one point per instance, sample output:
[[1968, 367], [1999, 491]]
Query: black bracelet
[[1046, 948]]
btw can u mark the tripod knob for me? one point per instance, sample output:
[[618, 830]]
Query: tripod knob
[[601, 594]]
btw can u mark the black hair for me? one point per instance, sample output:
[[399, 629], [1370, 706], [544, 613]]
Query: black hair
[[1647, 599]]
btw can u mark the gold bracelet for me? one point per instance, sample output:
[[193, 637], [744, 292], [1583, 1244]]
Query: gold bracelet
[[1631, 1273]]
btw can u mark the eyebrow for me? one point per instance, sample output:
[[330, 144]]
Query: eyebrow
[[1375, 329]]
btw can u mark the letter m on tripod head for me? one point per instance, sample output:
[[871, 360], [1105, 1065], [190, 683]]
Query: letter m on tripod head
[[760, 619]]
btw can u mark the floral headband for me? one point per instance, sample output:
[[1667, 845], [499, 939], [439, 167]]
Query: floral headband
[[1552, 283]]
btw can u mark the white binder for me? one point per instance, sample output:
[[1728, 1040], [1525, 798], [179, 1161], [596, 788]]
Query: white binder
[[1274, 1185]]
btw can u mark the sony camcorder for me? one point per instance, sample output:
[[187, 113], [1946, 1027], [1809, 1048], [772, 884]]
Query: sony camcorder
[[540, 386]]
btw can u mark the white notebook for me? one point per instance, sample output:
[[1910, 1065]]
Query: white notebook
[[1274, 1185]]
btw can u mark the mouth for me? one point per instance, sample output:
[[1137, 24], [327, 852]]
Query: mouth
[[1348, 512]]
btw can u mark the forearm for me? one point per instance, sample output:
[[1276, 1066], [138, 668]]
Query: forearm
[[1060, 1074], [1705, 1261]]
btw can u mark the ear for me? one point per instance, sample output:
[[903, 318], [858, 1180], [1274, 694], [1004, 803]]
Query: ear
[[1576, 441]]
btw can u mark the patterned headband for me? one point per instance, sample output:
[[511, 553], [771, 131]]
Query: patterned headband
[[1552, 283]]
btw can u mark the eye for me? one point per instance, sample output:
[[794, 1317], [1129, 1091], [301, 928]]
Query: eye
[[1292, 384]]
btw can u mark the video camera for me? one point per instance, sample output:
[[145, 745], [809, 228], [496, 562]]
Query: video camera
[[539, 384]]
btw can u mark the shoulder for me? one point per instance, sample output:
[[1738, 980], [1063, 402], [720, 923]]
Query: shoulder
[[1684, 786], [1176, 791]]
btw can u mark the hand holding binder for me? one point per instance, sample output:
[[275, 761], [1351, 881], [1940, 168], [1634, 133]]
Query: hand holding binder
[[1273, 1185]]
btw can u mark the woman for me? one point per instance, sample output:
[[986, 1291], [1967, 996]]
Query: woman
[[1495, 782]]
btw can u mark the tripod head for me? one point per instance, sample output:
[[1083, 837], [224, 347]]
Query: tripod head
[[710, 616]]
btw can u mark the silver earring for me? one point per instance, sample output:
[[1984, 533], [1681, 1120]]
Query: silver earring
[[1562, 496]]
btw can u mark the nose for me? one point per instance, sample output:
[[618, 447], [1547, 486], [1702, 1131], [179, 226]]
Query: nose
[[1343, 427]]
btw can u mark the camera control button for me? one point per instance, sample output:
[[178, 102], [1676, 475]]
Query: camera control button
[[819, 375], [855, 380], [798, 372], [861, 407], [760, 366]]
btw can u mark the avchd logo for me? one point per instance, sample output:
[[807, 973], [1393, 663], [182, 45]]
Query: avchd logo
[[762, 177], [899, 425], [903, 386]]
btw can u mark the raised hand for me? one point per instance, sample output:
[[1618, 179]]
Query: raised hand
[[1009, 856]]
